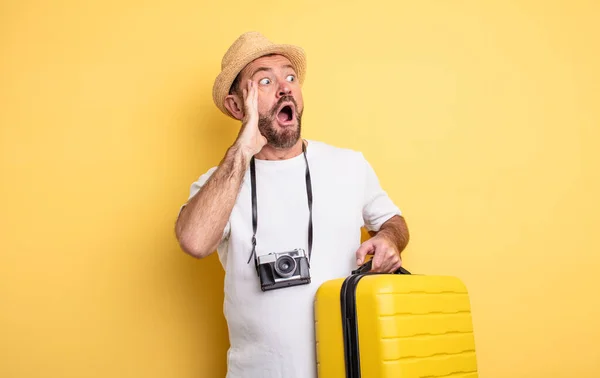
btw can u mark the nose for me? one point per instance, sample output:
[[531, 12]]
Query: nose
[[284, 88]]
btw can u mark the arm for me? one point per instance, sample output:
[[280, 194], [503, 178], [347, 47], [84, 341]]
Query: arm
[[386, 225], [200, 224], [199, 227]]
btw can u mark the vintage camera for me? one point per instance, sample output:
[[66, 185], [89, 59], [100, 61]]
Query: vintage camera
[[282, 269]]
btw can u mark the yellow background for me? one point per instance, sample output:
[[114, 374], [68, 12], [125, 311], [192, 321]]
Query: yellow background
[[481, 119]]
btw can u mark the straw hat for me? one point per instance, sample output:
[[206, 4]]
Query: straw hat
[[248, 47]]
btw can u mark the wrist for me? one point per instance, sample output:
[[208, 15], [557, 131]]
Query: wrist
[[239, 150]]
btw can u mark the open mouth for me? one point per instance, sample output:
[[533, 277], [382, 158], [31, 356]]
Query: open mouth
[[286, 114]]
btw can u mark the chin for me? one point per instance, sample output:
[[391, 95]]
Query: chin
[[283, 137]]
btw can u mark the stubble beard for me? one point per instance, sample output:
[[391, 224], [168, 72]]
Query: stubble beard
[[280, 139]]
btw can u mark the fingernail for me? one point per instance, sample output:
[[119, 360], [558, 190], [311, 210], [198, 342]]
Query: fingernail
[[358, 261]]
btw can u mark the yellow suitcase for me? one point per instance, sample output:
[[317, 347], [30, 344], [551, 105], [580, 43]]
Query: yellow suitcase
[[402, 325]]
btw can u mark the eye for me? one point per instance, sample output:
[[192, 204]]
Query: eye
[[290, 78], [265, 81]]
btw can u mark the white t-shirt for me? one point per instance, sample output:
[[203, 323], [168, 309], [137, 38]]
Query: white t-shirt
[[271, 333]]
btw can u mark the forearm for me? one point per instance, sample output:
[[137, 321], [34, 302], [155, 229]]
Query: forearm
[[396, 231], [200, 225]]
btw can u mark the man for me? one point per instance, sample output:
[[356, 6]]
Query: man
[[305, 195]]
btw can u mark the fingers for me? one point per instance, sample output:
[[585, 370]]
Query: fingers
[[250, 95], [254, 103], [246, 94], [365, 249], [386, 259], [397, 266], [378, 259], [391, 264]]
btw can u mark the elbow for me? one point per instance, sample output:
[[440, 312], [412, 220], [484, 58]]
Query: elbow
[[193, 245], [194, 240], [194, 248]]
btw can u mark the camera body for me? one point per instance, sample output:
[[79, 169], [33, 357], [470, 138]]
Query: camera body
[[283, 269]]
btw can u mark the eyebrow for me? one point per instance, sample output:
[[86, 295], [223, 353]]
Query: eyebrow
[[260, 69], [268, 69]]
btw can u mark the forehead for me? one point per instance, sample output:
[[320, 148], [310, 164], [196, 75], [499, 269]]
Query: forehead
[[271, 61]]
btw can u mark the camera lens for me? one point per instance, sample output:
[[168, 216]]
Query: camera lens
[[285, 266]]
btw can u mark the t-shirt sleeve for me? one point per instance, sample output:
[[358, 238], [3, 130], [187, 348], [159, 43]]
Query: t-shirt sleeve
[[377, 206], [195, 188]]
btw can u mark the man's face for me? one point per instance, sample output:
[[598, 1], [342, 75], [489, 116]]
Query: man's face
[[280, 103]]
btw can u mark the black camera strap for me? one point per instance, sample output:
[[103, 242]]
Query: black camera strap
[[255, 211]]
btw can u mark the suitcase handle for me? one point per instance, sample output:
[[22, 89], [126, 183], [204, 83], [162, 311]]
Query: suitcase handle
[[366, 268]]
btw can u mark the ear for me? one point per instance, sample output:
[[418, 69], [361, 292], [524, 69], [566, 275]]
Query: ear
[[234, 104]]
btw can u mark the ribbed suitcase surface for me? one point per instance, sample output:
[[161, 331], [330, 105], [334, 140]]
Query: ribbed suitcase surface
[[407, 326]]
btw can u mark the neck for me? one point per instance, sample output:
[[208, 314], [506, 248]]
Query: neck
[[269, 152]]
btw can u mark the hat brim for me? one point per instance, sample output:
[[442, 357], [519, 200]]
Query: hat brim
[[223, 82]]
